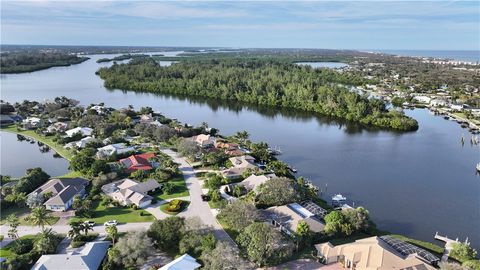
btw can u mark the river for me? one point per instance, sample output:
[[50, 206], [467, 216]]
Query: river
[[413, 183]]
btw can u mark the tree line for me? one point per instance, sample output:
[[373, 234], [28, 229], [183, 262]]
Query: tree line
[[266, 82], [20, 62]]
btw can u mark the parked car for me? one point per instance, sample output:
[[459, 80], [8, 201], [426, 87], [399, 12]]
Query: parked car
[[110, 223], [91, 223]]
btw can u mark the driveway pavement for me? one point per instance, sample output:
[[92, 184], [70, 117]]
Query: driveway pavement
[[197, 208]]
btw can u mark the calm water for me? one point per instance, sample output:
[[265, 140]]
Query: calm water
[[323, 64], [17, 156], [413, 183]]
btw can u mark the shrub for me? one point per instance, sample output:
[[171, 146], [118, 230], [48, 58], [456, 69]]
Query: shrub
[[22, 246], [76, 244], [174, 205]]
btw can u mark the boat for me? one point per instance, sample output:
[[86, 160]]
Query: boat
[[478, 167], [464, 125], [274, 151], [446, 118], [338, 199], [293, 170]]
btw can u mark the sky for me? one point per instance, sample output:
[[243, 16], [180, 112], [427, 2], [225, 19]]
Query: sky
[[422, 25]]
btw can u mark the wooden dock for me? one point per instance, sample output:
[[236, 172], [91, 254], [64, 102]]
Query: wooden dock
[[448, 245]]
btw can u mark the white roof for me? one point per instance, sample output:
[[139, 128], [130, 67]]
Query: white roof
[[184, 262], [86, 131], [338, 197], [32, 119]]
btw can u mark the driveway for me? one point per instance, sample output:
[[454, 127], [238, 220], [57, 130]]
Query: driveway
[[197, 208]]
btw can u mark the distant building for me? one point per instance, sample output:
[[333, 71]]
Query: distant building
[[203, 140], [85, 131], [32, 123], [375, 252], [89, 258], [240, 164], [184, 262], [117, 148], [128, 191], [57, 127], [82, 143], [62, 192], [422, 99]]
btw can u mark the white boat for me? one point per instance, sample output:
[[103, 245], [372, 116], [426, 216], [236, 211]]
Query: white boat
[[338, 199], [478, 167]]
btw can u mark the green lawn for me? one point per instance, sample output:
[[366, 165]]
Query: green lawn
[[425, 245], [46, 140], [184, 206], [121, 214], [7, 253], [72, 174], [12, 210], [180, 190]]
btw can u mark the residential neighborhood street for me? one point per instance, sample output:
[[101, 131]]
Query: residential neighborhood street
[[197, 208]]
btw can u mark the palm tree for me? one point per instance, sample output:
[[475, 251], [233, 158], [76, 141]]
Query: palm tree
[[13, 225], [39, 217], [242, 136], [86, 227], [112, 231], [76, 228], [45, 242]]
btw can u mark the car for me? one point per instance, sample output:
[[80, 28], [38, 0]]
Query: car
[[91, 223], [110, 223]]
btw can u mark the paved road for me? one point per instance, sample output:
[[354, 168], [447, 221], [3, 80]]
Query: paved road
[[197, 207]]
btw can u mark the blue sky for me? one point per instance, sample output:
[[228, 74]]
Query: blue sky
[[441, 25]]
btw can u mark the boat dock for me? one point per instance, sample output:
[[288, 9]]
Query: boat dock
[[448, 245]]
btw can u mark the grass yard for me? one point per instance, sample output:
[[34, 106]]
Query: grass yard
[[180, 189], [437, 250], [121, 214], [50, 221], [18, 211], [46, 140], [5, 252], [72, 174]]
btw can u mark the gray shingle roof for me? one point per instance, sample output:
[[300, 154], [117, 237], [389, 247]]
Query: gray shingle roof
[[62, 189], [89, 258]]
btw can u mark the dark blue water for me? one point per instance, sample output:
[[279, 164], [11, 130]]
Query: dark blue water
[[470, 56], [413, 183]]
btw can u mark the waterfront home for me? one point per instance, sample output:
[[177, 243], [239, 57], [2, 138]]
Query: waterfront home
[[57, 127], [128, 191], [314, 208], [62, 192], [203, 140], [32, 123], [82, 143], [252, 182], [85, 131], [231, 149], [457, 107], [241, 165], [117, 148], [422, 99], [6, 120], [90, 257], [383, 252], [138, 162], [184, 262], [287, 217], [438, 102]]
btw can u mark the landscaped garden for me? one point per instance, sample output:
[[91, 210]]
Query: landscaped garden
[[102, 213], [174, 207]]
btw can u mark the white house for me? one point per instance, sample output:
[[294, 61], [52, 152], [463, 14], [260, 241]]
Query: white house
[[184, 262], [32, 123], [81, 143], [117, 148], [457, 107], [85, 131], [422, 99], [128, 191]]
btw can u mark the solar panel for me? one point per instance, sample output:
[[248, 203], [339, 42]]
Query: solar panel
[[406, 249]]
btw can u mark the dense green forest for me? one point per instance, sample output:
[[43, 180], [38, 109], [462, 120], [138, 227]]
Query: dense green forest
[[121, 57], [261, 82], [19, 62]]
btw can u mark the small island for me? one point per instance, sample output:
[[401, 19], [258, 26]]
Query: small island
[[24, 61]]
